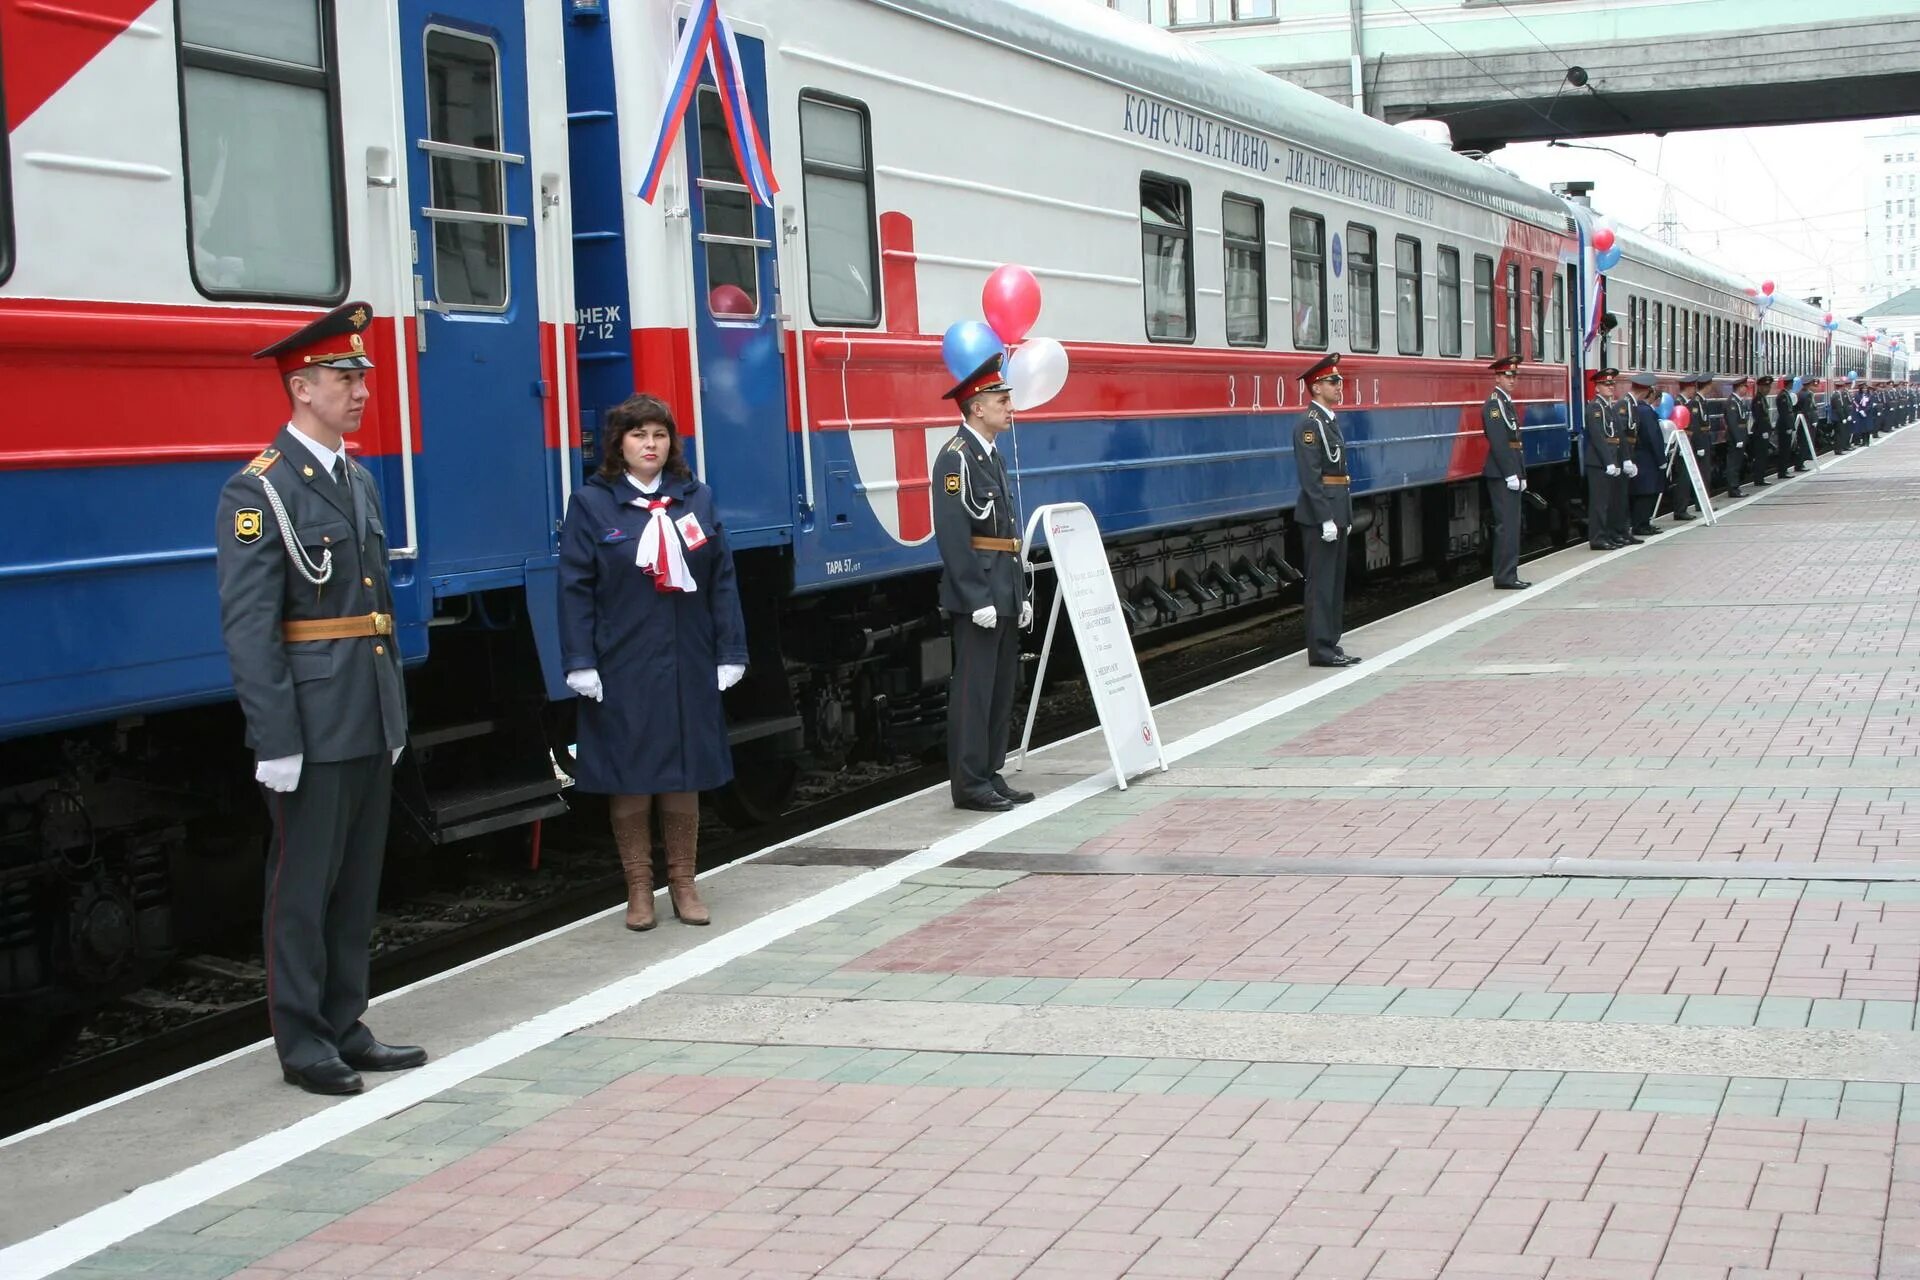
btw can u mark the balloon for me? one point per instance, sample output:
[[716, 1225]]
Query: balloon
[[1752, 292], [1827, 318], [967, 345], [1608, 259], [1682, 416], [1666, 404], [1011, 302], [1796, 386], [1766, 287], [730, 300], [1037, 372], [1603, 239]]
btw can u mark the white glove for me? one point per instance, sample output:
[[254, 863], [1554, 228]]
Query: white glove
[[730, 675], [1612, 469], [397, 753], [1026, 614], [1633, 469], [586, 683], [282, 774], [1513, 483], [1329, 531], [985, 617]]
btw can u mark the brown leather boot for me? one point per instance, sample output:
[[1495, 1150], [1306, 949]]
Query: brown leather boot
[[633, 837], [682, 834]]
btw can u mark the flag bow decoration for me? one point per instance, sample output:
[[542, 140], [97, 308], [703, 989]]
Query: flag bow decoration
[[708, 39]]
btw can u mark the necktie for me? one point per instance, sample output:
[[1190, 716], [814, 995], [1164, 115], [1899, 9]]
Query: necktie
[[340, 471]]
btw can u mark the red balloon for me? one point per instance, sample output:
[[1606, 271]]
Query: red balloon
[[730, 300], [1603, 239], [1752, 292], [1682, 416], [1827, 318], [1011, 302], [1766, 287]]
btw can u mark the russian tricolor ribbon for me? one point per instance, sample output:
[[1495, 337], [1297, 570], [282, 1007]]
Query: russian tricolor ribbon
[[706, 39]]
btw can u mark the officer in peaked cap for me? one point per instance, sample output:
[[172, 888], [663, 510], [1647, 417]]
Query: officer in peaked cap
[[1733, 413], [307, 614], [1789, 444], [1649, 455], [1760, 427], [1324, 511], [1600, 453], [1687, 499], [1505, 472], [982, 591]]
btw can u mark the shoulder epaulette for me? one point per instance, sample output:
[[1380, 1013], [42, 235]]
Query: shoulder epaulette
[[260, 465], [957, 445]]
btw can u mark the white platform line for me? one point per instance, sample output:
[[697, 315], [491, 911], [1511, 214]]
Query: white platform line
[[149, 1205]]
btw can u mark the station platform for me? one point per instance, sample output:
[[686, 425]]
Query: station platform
[[1573, 935]]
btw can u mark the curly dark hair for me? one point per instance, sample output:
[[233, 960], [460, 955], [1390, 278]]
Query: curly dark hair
[[629, 416]]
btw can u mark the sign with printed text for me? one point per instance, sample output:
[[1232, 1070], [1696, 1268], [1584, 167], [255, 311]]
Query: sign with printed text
[[1086, 592]]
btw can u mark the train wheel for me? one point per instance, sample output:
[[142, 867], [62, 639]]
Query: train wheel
[[759, 793]]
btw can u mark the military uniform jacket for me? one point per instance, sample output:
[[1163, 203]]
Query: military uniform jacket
[[1783, 410], [1839, 407], [1649, 450], [1699, 427], [1763, 415], [1735, 411], [1320, 460], [1621, 411], [1602, 446], [971, 499], [1500, 422], [329, 700]]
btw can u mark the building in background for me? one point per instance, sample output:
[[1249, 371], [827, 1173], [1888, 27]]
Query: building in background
[[1899, 315], [1893, 209]]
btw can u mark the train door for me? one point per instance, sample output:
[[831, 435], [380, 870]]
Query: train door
[[736, 322], [483, 420]]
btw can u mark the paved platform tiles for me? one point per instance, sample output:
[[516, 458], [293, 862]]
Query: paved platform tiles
[[1584, 943]]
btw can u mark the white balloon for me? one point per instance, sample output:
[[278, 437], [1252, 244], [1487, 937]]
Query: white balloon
[[1037, 372]]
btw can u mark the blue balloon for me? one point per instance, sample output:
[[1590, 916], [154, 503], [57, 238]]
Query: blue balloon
[[967, 345], [1796, 386], [1609, 258], [1666, 404]]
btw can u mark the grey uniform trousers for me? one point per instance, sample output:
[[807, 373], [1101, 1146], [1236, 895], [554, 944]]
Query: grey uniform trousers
[[986, 667], [1505, 505], [323, 886], [1326, 592]]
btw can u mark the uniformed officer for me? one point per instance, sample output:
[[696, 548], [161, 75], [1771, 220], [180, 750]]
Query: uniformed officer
[[1600, 453], [307, 614], [1735, 414], [982, 591], [1696, 439], [1803, 407], [1791, 445], [1840, 410], [1324, 511], [1760, 427], [1505, 472], [1649, 455], [1621, 409]]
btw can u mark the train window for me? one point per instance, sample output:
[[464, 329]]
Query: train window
[[1166, 257], [463, 110], [727, 234], [1560, 322], [1633, 332], [1243, 229], [836, 177], [1539, 296], [1307, 238], [1673, 338], [1514, 307], [1447, 278], [1653, 355], [1482, 305], [1363, 289], [6, 192], [1409, 321], [258, 100]]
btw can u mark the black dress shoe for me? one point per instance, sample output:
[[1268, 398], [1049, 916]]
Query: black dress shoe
[[1516, 585], [1011, 794], [387, 1057], [983, 804], [1736, 493], [327, 1076], [1337, 660], [1761, 484], [1632, 541], [1685, 515]]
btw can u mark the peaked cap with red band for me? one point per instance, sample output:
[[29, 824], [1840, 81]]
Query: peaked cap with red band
[[336, 340], [981, 381]]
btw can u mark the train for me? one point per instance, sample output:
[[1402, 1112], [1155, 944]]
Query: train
[[183, 181]]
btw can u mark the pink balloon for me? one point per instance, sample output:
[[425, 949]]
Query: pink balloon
[[1682, 416], [1827, 318], [1766, 287], [1011, 302], [1751, 291], [1603, 239]]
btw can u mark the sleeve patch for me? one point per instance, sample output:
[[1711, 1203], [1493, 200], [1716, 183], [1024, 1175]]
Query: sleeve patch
[[953, 482], [247, 524], [1307, 436]]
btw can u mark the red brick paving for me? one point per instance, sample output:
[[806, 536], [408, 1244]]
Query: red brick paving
[[1707, 828], [1733, 632], [1406, 933], [1768, 715], [733, 1179]]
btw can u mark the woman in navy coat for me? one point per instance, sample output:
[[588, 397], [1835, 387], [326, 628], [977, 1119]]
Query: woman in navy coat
[[650, 634]]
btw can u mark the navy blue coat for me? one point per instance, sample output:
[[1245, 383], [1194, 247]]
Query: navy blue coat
[[1649, 451], [661, 727]]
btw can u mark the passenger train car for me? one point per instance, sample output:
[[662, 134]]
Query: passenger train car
[[184, 180]]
